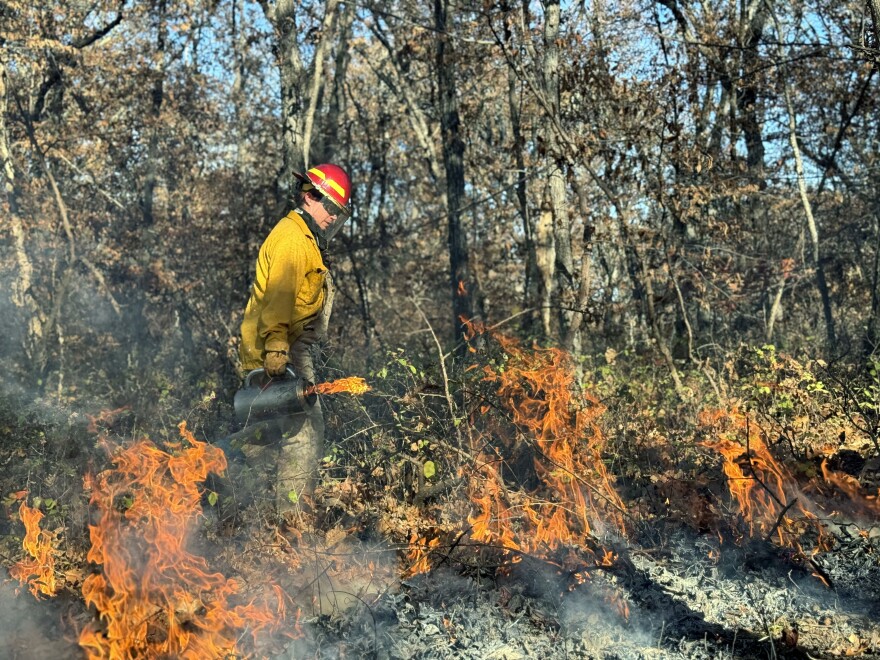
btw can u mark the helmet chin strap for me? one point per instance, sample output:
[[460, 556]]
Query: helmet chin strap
[[320, 234], [324, 233]]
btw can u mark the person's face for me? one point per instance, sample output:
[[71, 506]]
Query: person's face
[[318, 210]]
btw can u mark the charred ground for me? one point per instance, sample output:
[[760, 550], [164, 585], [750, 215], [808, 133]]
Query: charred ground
[[448, 525]]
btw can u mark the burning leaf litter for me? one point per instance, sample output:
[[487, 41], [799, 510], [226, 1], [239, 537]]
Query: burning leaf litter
[[41, 545], [555, 522], [154, 597], [558, 512], [772, 504]]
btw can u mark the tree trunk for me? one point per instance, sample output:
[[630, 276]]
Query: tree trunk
[[513, 104], [327, 142], [874, 6], [9, 185], [318, 76], [453, 161], [821, 281], [753, 17], [545, 260], [585, 283], [561, 222], [33, 344], [239, 48], [872, 335], [155, 113], [293, 79]]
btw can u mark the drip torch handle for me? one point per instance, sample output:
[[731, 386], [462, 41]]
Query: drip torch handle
[[262, 372]]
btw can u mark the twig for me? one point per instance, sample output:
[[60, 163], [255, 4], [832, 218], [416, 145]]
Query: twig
[[511, 317], [442, 357], [91, 178], [457, 450], [752, 467], [821, 571], [779, 519], [435, 489], [99, 276], [454, 546], [586, 483]]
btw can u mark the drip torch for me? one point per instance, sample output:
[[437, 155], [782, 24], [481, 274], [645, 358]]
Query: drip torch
[[264, 397]]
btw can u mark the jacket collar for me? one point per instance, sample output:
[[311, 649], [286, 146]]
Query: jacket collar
[[297, 216]]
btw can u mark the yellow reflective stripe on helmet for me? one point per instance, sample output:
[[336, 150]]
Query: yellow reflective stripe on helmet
[[318, 173]]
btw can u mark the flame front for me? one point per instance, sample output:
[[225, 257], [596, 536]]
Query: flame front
[[153, 596], [868, 506], [538, 388], [555, 522], [769, 499]]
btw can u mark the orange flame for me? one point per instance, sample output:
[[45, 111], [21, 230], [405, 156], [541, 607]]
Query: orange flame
[[556, 522], [39, 571], [767, 494], [353, 385], [103, 418], [868, 505], [419, 554], [539, 389], [153, 596]]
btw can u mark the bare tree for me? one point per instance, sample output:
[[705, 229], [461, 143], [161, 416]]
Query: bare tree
[[734, 67], [453, 161], [396, 80], [821, 280], [157, 95], [557, 164]]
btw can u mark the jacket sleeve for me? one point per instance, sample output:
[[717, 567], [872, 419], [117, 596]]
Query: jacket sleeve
[[286, 273]]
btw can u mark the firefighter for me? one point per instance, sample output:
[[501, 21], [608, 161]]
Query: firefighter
[[288, 312]]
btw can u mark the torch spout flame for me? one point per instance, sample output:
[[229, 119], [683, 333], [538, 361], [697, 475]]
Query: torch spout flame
[[352, 385]]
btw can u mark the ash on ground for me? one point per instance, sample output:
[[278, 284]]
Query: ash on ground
[[691, 598]]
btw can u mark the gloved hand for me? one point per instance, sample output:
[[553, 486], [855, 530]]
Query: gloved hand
[[275, 357]]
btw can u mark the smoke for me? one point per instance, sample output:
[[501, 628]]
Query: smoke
[[32, 630], [589, 616], [337, 584], [12, 327]]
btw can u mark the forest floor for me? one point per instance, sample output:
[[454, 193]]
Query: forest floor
[[690, 598], [672, 591], [684, 604], [687, 595]]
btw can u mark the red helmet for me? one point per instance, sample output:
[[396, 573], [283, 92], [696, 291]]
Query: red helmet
[[332, 182]]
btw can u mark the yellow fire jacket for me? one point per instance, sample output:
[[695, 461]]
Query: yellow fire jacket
[[287, 293]]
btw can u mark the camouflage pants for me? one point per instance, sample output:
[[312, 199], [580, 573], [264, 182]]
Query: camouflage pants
[[274, 462], [302, 443], [285, 452]]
